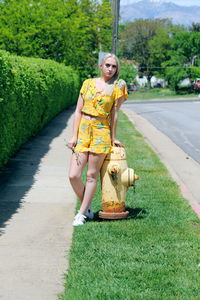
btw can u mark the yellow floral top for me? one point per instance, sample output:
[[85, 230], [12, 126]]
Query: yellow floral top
[[100, 104]]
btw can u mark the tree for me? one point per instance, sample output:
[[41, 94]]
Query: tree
[[136, 36], [127, 71], [195, 27], [160, 46], [93, 34], [69, 31], [185, 48]]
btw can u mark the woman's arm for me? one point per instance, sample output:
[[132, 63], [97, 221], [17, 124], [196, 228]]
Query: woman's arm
[[113, 122], [77, 117]]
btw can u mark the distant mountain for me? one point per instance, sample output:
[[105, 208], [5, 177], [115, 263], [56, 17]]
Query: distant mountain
[[152, 9]]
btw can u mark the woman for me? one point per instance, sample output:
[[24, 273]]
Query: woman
[[94, 131]]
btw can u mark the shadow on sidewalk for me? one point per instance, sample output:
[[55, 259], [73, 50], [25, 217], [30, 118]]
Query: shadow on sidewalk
[[17, 177]]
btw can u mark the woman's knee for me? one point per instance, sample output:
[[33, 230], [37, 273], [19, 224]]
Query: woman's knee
[[74, 177], [91, 176]]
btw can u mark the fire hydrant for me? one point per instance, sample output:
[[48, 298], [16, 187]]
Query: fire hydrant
[[116, 177]]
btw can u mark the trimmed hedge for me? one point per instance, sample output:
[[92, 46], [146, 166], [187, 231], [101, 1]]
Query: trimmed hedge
[[32, 92]]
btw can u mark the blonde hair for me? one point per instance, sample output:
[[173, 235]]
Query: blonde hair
[[116, 75]]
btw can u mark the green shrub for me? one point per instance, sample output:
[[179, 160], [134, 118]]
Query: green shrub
[[127, 72], [32, 92]]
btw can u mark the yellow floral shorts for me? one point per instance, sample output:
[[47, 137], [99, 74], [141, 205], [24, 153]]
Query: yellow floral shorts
[[94, 136]]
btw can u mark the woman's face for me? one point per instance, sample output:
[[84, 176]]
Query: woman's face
[[109, 68]]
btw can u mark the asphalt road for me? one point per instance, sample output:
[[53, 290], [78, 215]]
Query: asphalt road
[[179, 120]]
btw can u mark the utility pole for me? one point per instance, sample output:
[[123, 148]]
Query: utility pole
[[115, 10]]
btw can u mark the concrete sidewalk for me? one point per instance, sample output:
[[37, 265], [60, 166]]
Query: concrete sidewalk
[[183, 169], [36, 211]]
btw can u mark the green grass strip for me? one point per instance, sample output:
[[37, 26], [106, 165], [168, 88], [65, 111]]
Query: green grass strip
[[154, 254], [148, 94]]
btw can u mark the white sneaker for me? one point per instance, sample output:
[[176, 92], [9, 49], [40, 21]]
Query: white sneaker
[[79, 219], [89, 213]]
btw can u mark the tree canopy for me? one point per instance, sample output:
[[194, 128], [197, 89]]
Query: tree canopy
[[135, 37], [162, 48], [71, 31]]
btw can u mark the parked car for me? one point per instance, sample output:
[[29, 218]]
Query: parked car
[[132, 87], [196, 84]]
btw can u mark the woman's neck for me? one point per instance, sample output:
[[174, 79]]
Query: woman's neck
[[104, 79]]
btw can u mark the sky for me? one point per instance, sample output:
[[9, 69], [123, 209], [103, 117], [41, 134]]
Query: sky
[[178, 2]]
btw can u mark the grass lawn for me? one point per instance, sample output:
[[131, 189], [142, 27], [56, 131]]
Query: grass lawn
[[154, 254], [147, 94]]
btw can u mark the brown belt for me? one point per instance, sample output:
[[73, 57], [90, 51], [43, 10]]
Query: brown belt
[[92, 118]]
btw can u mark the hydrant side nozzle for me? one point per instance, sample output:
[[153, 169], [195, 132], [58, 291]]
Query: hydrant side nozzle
[[113, 168], [128, 177]]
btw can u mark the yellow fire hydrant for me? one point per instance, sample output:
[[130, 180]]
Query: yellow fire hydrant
[[116, 177]]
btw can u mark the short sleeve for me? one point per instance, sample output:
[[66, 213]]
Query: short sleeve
[[84, 87], [120, 90]]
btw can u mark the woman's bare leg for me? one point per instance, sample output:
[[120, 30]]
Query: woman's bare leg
[[95, 162], [78, 162]]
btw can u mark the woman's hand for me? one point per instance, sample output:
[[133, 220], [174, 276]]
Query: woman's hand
[[117, 143], [72, 143]]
